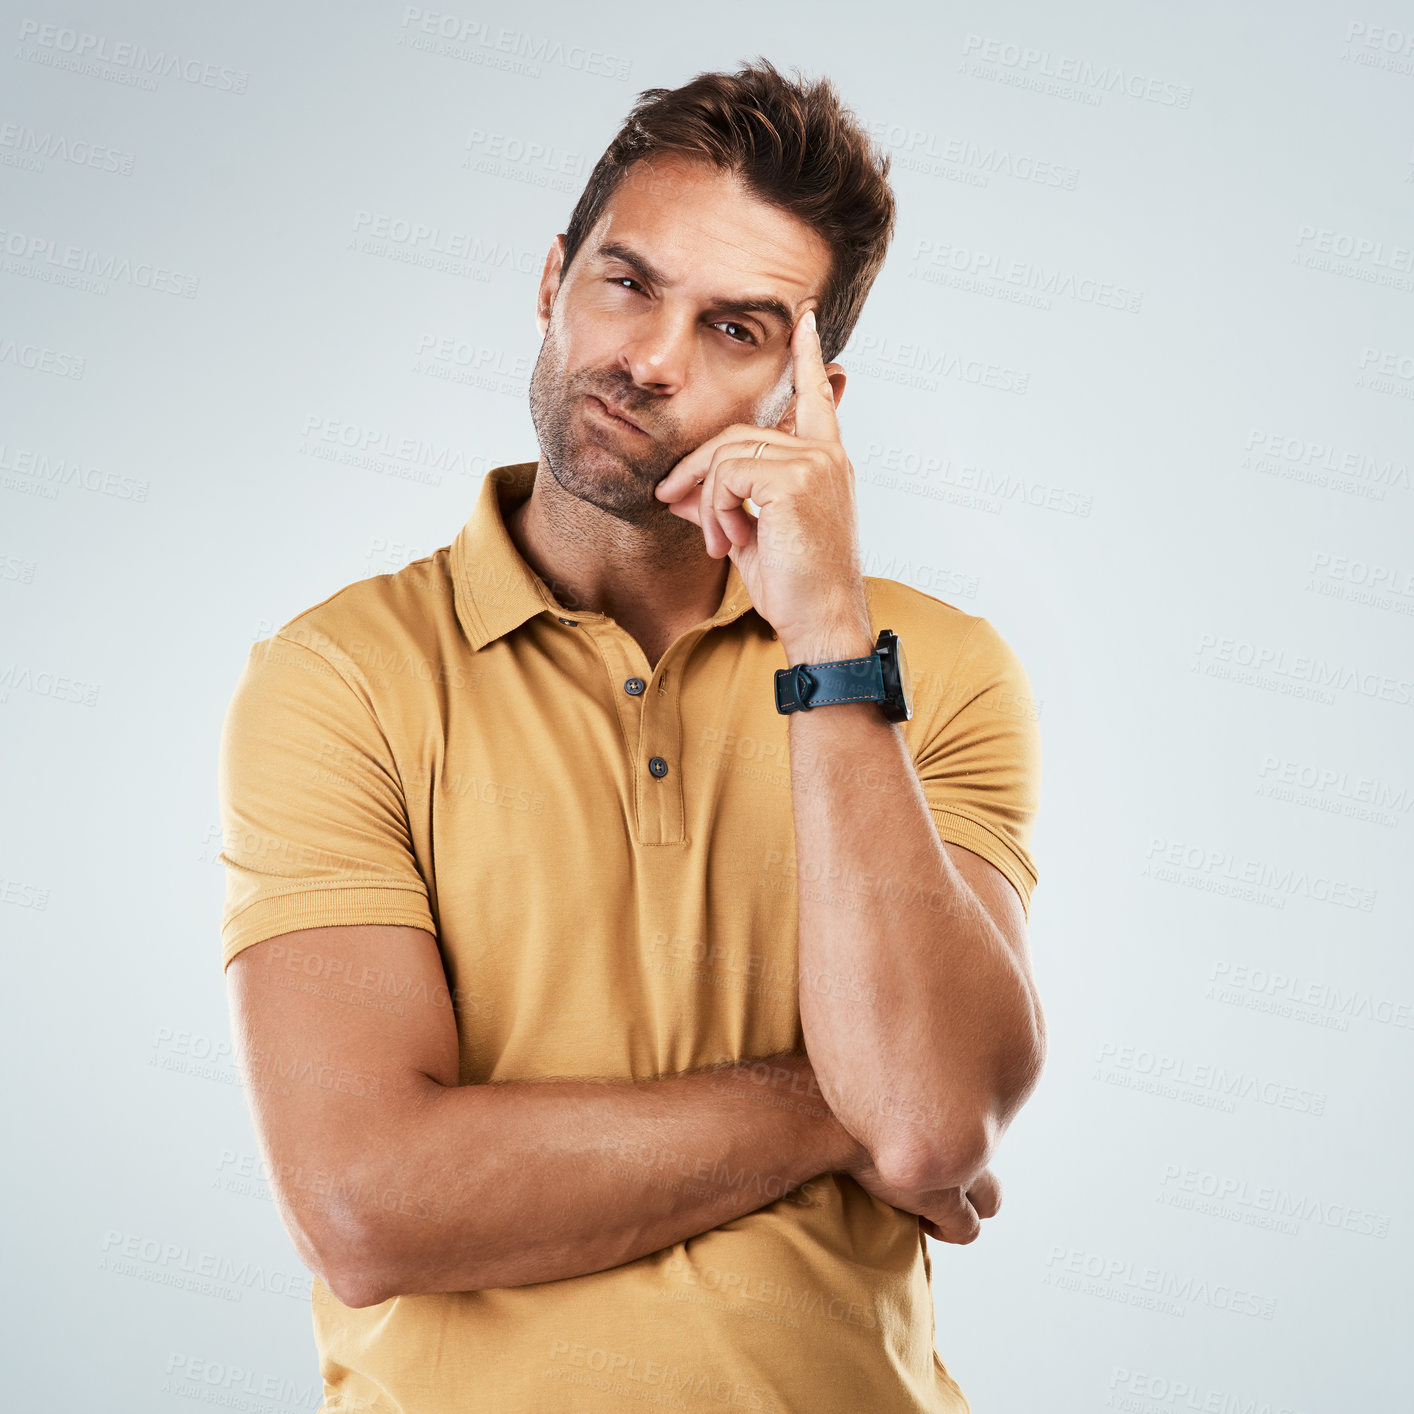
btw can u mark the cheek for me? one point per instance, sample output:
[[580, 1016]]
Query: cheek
[[763, 412], [590, 336], [779, 393], [771, 406]]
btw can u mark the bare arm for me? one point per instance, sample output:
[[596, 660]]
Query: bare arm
[[393, 1179], [944, 1017]]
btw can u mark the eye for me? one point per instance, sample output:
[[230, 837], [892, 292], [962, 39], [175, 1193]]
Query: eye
[[729, 324], [624, 280]]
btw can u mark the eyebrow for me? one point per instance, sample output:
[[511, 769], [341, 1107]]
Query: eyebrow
[[769, 305]]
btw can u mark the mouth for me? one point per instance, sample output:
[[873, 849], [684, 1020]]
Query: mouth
[[610, 414]]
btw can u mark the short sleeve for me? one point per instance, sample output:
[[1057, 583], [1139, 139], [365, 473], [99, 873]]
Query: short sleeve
[[980, 762], [314, 824]]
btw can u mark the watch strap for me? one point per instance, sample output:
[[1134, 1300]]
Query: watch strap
[[809, 685]]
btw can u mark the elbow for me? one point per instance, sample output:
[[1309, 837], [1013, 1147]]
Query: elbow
[[951, 1152], [919, 1167], [348, 1253], [357, 1290], [355, 1276]]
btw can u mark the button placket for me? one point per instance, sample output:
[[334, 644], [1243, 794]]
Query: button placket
[[650, 731], [662, 808]]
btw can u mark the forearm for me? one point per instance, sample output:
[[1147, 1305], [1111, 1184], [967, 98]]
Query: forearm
[[916, 1015], [535, 1182]]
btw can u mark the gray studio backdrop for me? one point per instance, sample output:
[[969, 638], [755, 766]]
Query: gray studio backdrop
[[1136, 384]]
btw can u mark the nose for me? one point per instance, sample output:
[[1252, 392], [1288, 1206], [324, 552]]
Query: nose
[[657, 352]]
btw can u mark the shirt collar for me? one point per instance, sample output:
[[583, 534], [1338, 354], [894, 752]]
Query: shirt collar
[[494, 589]]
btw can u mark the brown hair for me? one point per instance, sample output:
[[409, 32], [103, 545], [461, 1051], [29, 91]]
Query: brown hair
[[792, 144]]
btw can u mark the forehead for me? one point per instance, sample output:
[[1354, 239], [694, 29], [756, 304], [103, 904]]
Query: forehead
[[705, 231]]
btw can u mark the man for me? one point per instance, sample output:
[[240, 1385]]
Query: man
[[619, 1020]]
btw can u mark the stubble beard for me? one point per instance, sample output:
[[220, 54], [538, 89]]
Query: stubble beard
[[613, 477]]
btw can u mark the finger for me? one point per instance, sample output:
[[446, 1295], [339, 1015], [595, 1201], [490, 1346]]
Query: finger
[[716, 520], [953, 1219], [733, 482], [985, 1194], [815, 418], [718, 541], [742, 485], [688, 505], [750, 482], [684, 476], [723, 525]]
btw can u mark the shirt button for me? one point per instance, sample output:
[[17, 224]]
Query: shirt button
[[658, 766], [634, 686]]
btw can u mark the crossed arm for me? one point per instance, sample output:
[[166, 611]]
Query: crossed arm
[[392, 1178]]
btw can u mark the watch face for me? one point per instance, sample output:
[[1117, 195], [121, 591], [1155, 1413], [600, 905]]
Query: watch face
[[898, 682], [905, 679]]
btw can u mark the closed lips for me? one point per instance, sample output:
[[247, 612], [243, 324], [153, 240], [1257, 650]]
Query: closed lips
[[611, 409]]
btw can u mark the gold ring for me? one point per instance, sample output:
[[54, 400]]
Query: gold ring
[[760, 447]]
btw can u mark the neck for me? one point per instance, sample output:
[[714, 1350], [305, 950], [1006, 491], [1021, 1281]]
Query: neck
[[654, 579]]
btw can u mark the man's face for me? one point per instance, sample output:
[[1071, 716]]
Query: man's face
[[660, 315]]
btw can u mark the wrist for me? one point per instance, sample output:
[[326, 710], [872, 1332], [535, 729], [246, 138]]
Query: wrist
[[839, 1150], [830, 644], [833, 1148], [844, 1152]]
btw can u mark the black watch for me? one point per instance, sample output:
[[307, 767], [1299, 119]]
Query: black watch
[[882, 676]]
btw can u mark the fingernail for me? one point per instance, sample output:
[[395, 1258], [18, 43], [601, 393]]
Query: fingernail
[[810, 320]]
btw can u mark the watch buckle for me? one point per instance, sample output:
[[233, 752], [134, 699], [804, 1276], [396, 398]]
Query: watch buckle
[[805, 685]]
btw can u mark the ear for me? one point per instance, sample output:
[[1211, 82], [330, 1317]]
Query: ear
[[837, 377], [549, 283]]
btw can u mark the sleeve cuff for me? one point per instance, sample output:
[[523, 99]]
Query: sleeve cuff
[[983, 840], [323, 908]]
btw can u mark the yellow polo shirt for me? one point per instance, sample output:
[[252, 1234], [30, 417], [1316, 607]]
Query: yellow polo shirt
[[605, 854]]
